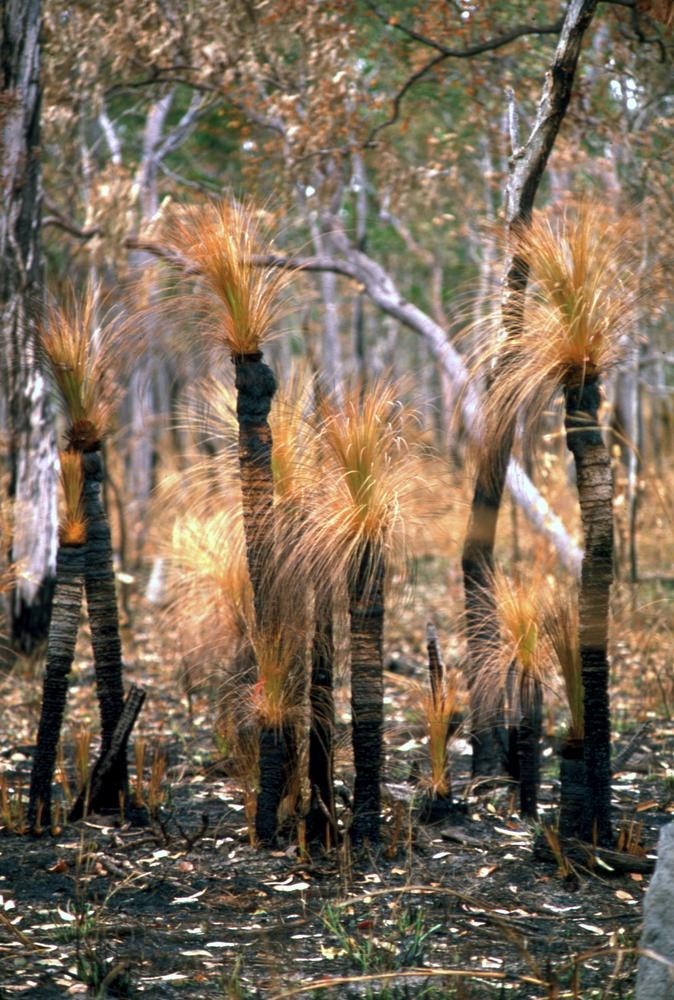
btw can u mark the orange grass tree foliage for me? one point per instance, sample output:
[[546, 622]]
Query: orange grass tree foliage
[[578, 319], [80, 352], [518, 663]]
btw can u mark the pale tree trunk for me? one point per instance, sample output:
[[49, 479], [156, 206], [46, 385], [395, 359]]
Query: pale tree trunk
[[33, 460], [331, 353]]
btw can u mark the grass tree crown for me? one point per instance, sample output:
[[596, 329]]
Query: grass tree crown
[[224, 243], [577, 317], [78, 350]]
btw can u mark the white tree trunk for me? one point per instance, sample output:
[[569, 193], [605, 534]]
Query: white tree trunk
[[32, 447]]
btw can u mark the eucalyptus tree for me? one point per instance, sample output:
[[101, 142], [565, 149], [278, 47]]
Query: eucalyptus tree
[[25, 414]]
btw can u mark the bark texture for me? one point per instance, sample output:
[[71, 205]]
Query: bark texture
[[573, 797], [99, 578], [24, 409], [366, 610], [321, 817], [274, 752], [93, 796], [594, 482], [529, 745], [255, 388], [528, 164], [63, 628]]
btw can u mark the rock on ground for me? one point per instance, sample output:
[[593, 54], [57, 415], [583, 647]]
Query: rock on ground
[[655, 979]]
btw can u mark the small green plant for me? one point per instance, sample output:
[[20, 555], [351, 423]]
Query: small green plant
[[397, 943]]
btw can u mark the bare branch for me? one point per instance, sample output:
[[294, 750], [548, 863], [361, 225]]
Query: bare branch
[[479, 48], [61, 221]]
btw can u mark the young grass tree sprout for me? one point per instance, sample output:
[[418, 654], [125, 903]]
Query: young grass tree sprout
[[440, 711], [518, 664], [577, 318]]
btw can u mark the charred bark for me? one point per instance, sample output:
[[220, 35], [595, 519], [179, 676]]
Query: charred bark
[[99, 580], [274, 751], [255, 388], [529, 746], [64, 625], [321, 824], [573, 795], [366, 610], [95, 795], [594, 482]]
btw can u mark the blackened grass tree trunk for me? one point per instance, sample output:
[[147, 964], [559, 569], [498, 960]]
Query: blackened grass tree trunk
[[104, 624], [594, 482], [529, 163], [529, 733], [321, 823], [25, 413], [63, 629], [366, 612]]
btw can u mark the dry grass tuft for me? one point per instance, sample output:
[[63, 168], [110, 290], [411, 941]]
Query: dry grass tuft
[[281, 662], [439, 712], [222, 243]]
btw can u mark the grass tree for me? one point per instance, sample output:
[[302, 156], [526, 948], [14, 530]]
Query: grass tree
[[577, 318], [440, 712], [355, 537], [79, 354], [238, 308], [240, 303], [63, 629]]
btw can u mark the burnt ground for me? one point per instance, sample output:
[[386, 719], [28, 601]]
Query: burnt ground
[[186, 907]]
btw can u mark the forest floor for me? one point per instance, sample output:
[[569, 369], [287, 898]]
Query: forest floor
[[186, 907]]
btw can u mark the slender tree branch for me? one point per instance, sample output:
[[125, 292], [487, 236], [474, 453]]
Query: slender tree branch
[[61, 221], [479, 48]]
